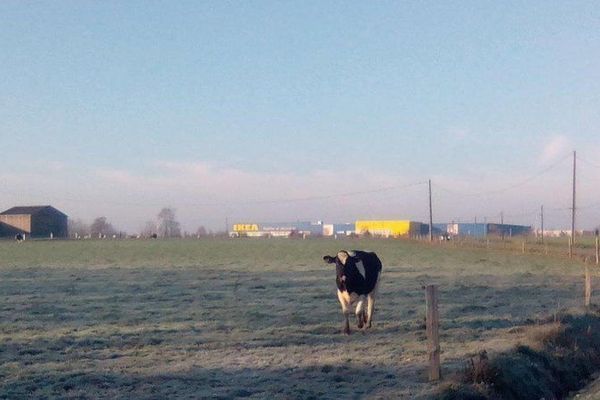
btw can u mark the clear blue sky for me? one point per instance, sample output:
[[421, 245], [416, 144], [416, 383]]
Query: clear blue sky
[[114, 108]]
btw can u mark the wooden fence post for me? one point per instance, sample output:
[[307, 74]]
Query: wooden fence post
[[597, 250], [523, 248], [588, 287], [433, 332]]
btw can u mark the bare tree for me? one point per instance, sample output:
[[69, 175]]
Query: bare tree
[[77, 228], [167, 224], [101, 227], [201, 232], [149, 229]]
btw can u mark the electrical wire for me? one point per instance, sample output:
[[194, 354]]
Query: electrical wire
[[588, 162], [514, 186], [592, 205], [238, 203]]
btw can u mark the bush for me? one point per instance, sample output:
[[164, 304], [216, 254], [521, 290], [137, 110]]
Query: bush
[[559, 360]]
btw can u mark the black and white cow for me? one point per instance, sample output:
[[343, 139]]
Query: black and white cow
[[357, 278]]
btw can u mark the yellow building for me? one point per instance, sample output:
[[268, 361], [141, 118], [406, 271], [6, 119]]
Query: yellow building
[[388, 228]]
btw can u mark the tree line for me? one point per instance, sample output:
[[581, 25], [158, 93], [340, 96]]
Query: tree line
[[165, 225]]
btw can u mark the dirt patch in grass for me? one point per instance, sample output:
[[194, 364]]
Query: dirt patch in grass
[[559, 358]]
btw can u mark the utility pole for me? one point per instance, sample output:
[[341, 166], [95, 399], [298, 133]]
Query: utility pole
[[485, 230], [542, 220], [430, 215], [573, 208]]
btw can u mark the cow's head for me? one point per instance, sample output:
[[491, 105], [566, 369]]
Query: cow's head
[[341, 258], [340, 261]]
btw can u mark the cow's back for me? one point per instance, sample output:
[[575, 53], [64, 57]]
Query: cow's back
[[372, 265]]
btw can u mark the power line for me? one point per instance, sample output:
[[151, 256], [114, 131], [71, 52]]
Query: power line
[[588, 162], [514, 186], [519, 215], [525, 214], [592, 205], [237, 203]]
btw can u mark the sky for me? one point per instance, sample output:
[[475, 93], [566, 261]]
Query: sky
[[312, 110]]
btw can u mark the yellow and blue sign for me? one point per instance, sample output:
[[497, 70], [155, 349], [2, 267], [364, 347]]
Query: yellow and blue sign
[[245, 227]]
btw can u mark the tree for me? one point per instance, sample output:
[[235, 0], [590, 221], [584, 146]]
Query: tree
[[149, 229], [78, 228], [167, 224], [201, 232], [101, 227]]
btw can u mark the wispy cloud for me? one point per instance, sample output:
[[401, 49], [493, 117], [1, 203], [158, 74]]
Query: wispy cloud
[[458, 134], [202, 191], [554, 147], [210, 181], [206, 193]]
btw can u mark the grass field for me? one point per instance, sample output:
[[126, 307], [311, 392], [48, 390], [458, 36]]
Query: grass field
[[258, 319]]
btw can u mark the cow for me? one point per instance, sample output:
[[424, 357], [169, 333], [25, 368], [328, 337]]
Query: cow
[[357, 279]]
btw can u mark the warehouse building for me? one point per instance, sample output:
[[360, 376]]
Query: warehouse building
[[483, 229], [389, 228], [346, 229], [277, 229], [35, 221]]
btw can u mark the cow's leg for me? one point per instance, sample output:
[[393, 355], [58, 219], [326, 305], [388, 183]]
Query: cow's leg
[[360, 312], [371, 304], [370, 308], [344, 301]]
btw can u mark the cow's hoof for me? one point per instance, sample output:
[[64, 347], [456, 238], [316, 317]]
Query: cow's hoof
[[361, 320], [346, 331]]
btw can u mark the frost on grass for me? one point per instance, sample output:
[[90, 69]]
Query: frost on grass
[[251, 319]]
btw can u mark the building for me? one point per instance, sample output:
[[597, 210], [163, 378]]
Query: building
[[389, 228], [277, 229], [508, 230], [483, 229], [35, 221], [563, 233], [346, 229], [467, 229], [8, 231]]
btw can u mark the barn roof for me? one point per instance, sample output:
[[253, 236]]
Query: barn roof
[[29, 210]]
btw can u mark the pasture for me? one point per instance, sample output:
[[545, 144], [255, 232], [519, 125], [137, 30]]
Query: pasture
[[227, 319]]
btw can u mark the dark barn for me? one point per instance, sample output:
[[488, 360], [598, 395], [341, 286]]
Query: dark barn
[[35, 221]]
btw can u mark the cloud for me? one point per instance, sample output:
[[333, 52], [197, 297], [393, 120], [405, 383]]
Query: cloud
[[458, 134], [202, 191], [116, 176], [556, 146], [204, 180], [205, 193]]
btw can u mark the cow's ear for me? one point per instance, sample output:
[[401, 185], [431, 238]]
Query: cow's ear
[[329, 259]]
